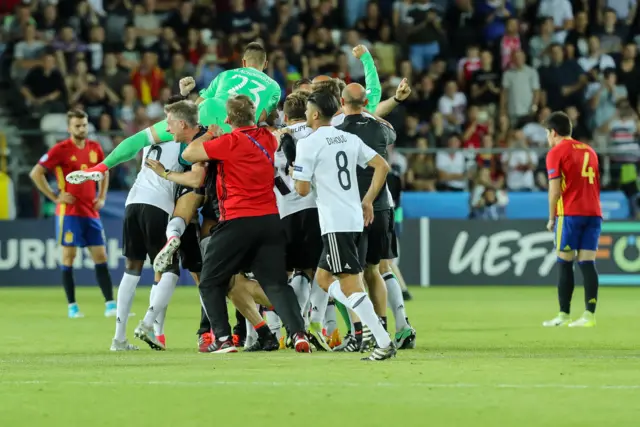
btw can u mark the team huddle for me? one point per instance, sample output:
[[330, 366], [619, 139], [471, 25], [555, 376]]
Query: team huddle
[[296, 214]]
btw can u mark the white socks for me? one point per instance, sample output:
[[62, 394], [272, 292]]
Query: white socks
[[300, 285], [161, 297], [158, 325], [395, 301], [176, 227], [360, 303], [319, 300], [330, 319], [273, 322], [335, 291], [126, 292]]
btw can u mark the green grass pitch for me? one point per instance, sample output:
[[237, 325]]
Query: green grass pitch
[[482, 359]]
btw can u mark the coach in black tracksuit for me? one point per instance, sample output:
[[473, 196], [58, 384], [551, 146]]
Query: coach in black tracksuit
[[376, 241]]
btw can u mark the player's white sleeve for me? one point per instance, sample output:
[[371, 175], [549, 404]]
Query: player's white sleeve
[[365, 154], [304, 165]]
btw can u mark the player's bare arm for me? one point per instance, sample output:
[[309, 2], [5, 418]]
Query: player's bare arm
[[381, 169], [195, 151], [193, 178], [39, 177], [103, 186], [303, 188], [402, 93], [555, 191]]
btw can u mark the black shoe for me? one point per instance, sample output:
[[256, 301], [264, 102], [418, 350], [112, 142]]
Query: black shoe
[[368, 342], [225, 346], [268, 343], [406, 295]]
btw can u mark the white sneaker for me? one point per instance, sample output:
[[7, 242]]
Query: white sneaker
[[78, 177], [587, 320], [165, 256], [562, 319], [122, 346]]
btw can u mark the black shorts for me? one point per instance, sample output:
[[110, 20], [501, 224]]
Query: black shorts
[[393, 249], [211, 209], [143, 232], [255, 244], [340, 253], [190, 255], [377, 239], [304, 242]]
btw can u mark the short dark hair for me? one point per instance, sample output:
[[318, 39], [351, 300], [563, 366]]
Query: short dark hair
[[295, 105], [255, 53], [76, 113], [608, 72], [560, 123], [326, 103], [298, 83], [332, 86], [241, 111]]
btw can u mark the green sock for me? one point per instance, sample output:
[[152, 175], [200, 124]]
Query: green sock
[[129, 148], [345, 315]]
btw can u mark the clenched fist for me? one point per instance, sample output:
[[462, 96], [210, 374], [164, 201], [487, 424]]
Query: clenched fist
[[187, 84], [359, 50], [403, 91]]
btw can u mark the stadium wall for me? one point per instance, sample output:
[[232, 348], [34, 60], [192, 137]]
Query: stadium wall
[[508, 252]]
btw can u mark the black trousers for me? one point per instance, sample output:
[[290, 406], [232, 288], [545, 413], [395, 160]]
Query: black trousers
[[255, 244]]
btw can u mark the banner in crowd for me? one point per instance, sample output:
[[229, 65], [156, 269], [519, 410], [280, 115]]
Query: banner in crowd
[[521, 253], [30, 255]]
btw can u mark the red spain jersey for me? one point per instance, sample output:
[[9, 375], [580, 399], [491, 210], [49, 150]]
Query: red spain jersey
[[66, 157], [245, 172], [576, 164]]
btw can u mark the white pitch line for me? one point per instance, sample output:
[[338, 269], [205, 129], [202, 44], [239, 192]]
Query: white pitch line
[[325, 384]]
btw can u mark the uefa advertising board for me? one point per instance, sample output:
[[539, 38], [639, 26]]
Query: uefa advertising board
[[513, 252]]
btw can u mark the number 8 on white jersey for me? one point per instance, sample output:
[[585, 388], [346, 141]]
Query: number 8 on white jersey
[[328, 158]]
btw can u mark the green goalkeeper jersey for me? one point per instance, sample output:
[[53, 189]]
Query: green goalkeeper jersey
[[262, 89]]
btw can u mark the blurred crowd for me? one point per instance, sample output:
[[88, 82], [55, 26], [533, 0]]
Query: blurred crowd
[[485, 73]]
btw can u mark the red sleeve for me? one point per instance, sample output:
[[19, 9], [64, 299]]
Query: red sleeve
[[53, 157], [553, 163], [219, 148]]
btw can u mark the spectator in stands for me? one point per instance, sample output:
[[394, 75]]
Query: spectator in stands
[[422, 173], [539, 45], [463, 23], [105, 128], [563, 81], [126, 111], [194, 48], [485, 84], [424, 35], [83, 20], [242, 22], [284, 23], [78, 81], [452, 166], [49, 23], [180, 68], [148, 78], [453, 106], [611, 35], [166, 47], [596, 62], [476, 127], [519, 164], [27, 53], [113, 76], [468, 65], [628, 73], [625, 10], [623, 140], [147, 23], [520, 89], [562, 13], [356, 69], [95, 49], [535, 131], [577, 41], [208, 68], [129, 50], [497, 16], [491, 161], [97, 99], [67, 46], [183, 21], [602, 99], [509, 43], [297, 55], [435, 131], [386, 51], [44, 88], [580, 130], [14, 25], [370, 25], [486, 201]]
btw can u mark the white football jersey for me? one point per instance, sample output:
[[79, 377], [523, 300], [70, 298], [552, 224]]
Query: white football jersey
[[339, 119], [293, 202], [151, 189], [328, 158]]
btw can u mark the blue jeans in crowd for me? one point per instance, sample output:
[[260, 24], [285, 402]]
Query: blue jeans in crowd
[[354, 10], [422, 55]]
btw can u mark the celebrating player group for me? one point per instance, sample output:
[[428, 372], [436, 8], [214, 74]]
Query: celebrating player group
[[297, 219]]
